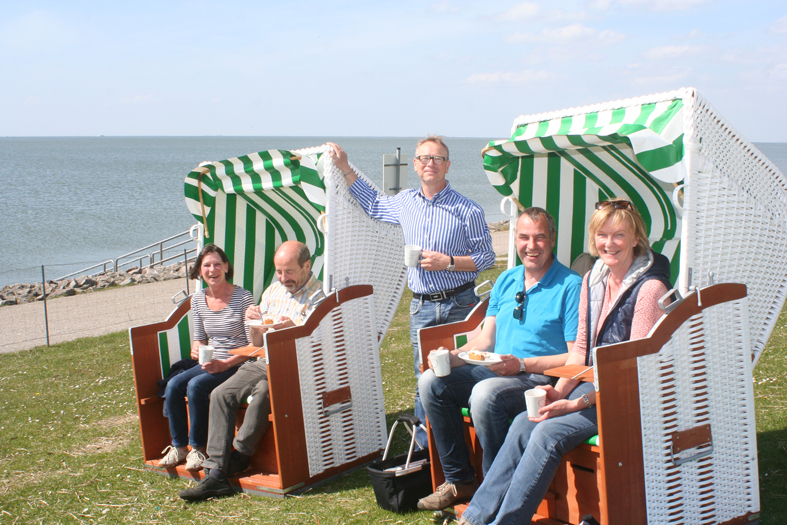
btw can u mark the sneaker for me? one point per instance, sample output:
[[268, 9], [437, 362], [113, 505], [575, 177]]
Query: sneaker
[[194, 460], [209, 487], [448, 494], [238, 463], [174, 456]]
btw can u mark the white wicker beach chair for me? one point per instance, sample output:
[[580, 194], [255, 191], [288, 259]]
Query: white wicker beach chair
[[715, 206], [335, 418]]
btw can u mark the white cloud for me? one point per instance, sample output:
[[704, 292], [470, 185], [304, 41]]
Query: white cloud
[[568, 34], [665, 5], [778, 71], [667, 52], [511, 77], [674, 79], [443, 7], [780, 26], [520, 12]]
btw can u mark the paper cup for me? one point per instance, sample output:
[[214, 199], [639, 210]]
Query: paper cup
[[205, 354], [441, 362], [412, 254], [535, 399]]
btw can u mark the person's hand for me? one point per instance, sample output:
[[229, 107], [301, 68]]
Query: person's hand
[[214, 366], [508, 366], [454, 360], [556, 405], [434, 261], [253, 312], [282, 322], [558, 408], [339, 157], [195, 352]]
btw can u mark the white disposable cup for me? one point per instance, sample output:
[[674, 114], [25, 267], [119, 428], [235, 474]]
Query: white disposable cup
[[412, 254], [535, 399], [205, 354], [441, 362]]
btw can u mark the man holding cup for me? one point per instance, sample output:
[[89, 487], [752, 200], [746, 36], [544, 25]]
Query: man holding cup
[[530, 326], [289, 301], [448, 242]]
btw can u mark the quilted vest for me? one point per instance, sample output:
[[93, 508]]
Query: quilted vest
[[617, 325]]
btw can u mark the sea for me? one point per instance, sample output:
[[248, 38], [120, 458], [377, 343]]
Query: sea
[[70, 202]]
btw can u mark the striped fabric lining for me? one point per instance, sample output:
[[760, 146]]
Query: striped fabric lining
[[175, 344], [263, 199], [566, 165]]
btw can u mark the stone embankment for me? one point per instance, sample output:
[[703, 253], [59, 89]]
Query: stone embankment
[[30, 292]]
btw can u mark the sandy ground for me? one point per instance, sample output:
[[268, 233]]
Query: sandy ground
[[97, 313]]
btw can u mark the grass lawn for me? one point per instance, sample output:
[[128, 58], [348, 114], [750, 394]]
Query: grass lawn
[[70, 450]]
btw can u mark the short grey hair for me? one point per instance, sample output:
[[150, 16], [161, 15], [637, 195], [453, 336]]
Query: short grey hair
[[534, 213]]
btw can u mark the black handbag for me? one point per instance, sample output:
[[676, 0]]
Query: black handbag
[[399, 482]]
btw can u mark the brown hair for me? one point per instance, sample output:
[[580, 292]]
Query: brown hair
[[536, 214], [194, 274], [437, 139], [629, 216]]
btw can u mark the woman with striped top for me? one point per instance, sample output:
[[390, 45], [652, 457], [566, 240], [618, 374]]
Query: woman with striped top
[[218, 314]]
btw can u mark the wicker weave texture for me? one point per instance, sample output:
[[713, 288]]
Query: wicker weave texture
[[362, 250], [736, 215], [342, 352], [701, 376]]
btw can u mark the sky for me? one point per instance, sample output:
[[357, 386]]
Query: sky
[[377, 68]]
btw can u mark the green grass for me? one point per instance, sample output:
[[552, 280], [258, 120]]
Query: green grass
[[70, 450]]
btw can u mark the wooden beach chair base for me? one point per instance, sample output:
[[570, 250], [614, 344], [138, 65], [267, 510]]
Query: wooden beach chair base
[[327, 411]]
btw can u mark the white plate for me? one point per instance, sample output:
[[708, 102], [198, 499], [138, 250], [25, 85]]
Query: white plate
[[491, 359]]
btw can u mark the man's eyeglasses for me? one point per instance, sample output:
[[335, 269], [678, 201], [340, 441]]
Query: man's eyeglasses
[[436, 158], [520, 298], [618, 205]]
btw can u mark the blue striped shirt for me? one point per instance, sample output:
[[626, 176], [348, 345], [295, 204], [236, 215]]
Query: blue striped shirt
[[449, 223]]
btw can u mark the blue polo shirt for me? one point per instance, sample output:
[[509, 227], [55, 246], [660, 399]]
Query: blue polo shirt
[[550, 317]]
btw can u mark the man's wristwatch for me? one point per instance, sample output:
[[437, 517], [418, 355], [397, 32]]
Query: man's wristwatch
[[451, 266], [522, 366]]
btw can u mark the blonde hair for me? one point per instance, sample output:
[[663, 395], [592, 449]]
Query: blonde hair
[[437, 139], [629, 216]]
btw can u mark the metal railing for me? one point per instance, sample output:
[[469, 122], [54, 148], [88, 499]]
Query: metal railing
[[154, 254]]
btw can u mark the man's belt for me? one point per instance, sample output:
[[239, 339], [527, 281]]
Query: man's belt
[[445, 294]]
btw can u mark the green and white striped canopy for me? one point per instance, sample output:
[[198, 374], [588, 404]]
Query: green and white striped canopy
[[568, 163], [249, 205]]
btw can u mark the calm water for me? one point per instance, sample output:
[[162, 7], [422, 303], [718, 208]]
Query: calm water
[[69, 203]]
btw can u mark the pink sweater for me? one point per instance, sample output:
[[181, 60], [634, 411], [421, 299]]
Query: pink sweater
[[646, 311]]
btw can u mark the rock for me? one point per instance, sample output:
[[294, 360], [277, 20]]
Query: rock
[[86, 282], [127, 282]]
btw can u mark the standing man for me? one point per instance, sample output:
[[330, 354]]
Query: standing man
[[290, 300], [531, 324], [451, 231]]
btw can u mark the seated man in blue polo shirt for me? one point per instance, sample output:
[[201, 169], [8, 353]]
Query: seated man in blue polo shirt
[[531, 324]]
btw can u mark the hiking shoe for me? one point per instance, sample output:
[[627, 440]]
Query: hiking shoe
[[194, 460], [448, 494], [209, 487], [174, 456], [238, 463]]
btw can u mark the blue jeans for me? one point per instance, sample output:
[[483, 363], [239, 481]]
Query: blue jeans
[[527, 462], [195, 384], [493, 402], [430, 313]]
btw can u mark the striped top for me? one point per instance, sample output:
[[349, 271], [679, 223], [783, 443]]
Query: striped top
[[224, 329], [277, 300], [449, 223]]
